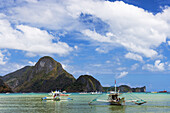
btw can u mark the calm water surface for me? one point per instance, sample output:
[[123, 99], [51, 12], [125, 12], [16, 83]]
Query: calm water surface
[[32, 103]]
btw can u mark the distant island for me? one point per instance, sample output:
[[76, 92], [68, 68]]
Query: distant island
[[48, 75], [125, 88]]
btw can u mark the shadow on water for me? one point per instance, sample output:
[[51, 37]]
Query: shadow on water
[[120, 109], [106, 107]]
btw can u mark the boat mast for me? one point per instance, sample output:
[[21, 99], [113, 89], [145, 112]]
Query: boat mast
[[115, 86]]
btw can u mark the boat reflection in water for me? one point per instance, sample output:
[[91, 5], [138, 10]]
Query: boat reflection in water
[[116, 109]]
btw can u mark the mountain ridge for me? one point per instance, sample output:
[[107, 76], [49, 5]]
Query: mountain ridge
[[46, 75], [85, 83]]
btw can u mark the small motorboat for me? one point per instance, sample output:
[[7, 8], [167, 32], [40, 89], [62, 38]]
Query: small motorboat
[[61, 94], [164, 91], [96, 93], [64, 94], [54, 96], [154, 92]]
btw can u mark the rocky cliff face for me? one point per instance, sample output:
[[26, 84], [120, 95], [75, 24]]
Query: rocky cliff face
[[46, 75], [125, 88], [139, 89], [85, 83], [16, 78], [4, 88]]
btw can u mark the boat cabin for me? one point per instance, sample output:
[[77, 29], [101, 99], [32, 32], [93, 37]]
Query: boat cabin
[[113, 97]]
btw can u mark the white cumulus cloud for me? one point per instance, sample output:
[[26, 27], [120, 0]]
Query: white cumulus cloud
[[132, 27], [158, 66], [134, 56], [122, 74], [30, 39], [134, 66], [168, 42], [2, 62], [121, 68], [10, 67], [96, 36], [31, 63], [49, 14]]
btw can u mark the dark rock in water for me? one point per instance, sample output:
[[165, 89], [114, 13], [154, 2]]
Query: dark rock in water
[[125, 88], [85, 83], [46, 75], [139, 89], [4, 88]]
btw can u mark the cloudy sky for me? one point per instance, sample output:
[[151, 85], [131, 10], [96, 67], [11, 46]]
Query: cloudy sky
[[125, 40]]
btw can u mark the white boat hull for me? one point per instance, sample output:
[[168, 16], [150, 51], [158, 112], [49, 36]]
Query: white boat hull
[[51, 98], [117, 102], [113, 102]]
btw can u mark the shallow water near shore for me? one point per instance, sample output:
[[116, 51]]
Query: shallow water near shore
[[32, 103]]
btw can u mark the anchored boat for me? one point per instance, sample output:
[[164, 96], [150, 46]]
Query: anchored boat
[[96, 93], [115, 99], [164, 91], [54, 96], [61, 94]]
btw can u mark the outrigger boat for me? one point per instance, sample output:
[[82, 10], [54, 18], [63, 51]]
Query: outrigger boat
[[55, 95], [115, 99]]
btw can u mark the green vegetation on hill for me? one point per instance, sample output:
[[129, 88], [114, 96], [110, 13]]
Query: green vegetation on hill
[[4, 88], [107, 89], [46, 75], [85, 83], [125, 88]]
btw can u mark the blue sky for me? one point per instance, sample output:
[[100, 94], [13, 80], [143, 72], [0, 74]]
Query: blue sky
[[124, 40]]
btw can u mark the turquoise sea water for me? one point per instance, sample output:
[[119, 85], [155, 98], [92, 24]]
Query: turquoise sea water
[[32, 103]]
